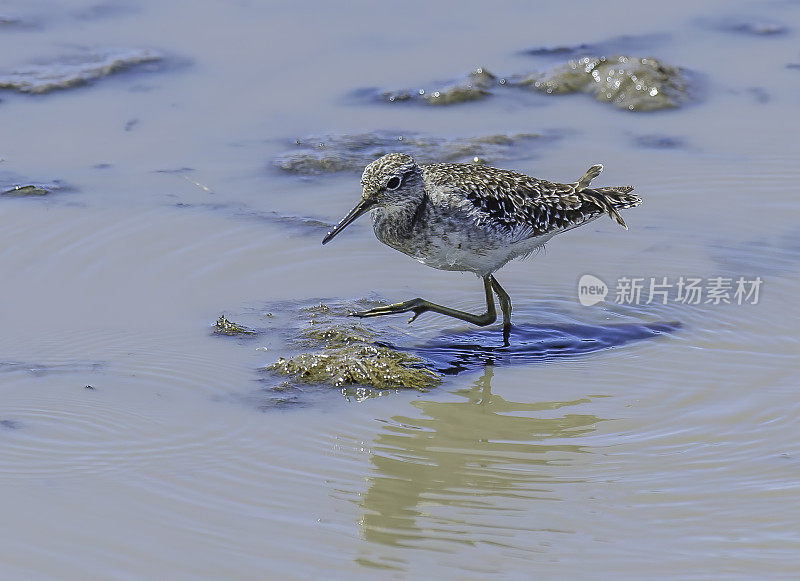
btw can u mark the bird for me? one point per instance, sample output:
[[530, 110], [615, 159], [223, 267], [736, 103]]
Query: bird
[[473, 218]]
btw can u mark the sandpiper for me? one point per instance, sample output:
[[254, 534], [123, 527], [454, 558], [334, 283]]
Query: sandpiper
[[473, 218]]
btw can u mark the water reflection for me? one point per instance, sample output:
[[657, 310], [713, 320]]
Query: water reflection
[[452, 353], [436, 476]]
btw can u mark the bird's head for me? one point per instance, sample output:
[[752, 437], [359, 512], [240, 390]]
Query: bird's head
[[392, 180]]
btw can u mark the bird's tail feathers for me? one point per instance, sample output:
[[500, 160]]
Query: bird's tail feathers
[[587, 178], [614, 198]]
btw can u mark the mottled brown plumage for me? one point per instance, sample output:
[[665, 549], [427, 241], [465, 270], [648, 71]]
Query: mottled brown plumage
[[474, 218], [527, 206]]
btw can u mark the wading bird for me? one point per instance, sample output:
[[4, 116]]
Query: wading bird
[[473, 218]]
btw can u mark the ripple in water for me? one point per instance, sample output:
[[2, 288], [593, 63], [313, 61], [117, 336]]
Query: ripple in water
[[454, 353], [152, 401]]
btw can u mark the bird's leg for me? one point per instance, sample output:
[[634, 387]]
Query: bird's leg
[[505, 306], [419, 306]]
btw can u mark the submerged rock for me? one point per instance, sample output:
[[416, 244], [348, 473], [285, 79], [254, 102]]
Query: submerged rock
[[76, 70], [625, 43], [9, 20], [31, 189], [225, 327], [359, 364], [745, 25], [631, 83], [334, 336], [473, 87], [343, 354], [22, 191], [634, 84], [330, 153], [659, 141], [105, 9]]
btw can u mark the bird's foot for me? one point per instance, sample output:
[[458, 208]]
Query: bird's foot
[[417, 306]]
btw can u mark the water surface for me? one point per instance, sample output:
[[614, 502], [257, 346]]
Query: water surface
[[136, 443]]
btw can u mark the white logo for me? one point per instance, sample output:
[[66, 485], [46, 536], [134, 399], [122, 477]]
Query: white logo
[[591, 290]]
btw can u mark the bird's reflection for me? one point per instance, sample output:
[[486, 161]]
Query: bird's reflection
[[463, 456]]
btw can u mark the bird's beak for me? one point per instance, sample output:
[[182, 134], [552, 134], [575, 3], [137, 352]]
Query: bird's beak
[[362, 207]]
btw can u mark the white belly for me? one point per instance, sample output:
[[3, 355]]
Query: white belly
[[446, 254]]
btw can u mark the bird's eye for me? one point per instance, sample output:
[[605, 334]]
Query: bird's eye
[[393, 183]]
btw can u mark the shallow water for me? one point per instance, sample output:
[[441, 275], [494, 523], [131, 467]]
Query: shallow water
[[136, 443]]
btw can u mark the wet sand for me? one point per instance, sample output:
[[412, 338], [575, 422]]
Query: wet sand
[[621, 440]]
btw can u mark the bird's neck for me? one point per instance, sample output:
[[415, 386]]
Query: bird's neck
[[396, 222]]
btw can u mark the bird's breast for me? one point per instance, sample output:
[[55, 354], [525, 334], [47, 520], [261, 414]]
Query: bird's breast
[[442, 240]]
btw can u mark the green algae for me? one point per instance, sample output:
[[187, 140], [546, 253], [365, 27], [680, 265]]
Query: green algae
[[225, 327], [473, 87], [358, 364], [13, 187], [630, 83], [336, 335], [333, 153], [24, 191], [633, 84], [346, 355]]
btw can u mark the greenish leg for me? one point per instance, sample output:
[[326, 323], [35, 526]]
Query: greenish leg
[[419, 306], [505, 301], [505, 306]]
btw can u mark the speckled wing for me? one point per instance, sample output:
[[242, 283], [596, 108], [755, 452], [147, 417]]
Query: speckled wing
[[525, 207]]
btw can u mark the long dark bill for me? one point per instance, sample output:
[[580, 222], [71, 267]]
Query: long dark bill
[[362, 207]]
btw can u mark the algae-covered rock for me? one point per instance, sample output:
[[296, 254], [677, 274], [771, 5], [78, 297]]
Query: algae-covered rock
[[634, 84], [74, 70], [23, 191], [331, 153], [631, 83], [225, 327], [359, 364], [30, 189], [473, 87], [340, 353], [337, 335]]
